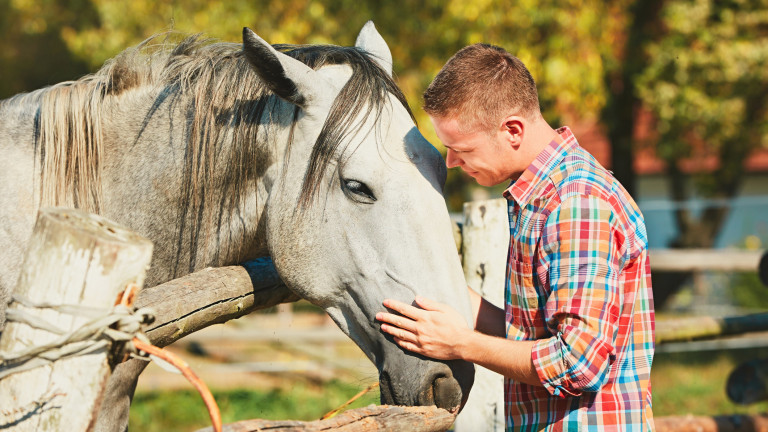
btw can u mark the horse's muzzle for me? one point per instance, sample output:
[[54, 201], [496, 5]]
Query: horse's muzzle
[[438, 386]]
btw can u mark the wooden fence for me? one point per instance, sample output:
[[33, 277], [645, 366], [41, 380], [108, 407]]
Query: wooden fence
[[74, 313]]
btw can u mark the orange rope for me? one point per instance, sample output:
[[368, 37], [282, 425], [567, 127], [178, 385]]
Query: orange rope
[[127, 298], [183, 367]]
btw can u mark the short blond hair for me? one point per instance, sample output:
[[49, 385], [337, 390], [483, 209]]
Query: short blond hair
[[480, 85]]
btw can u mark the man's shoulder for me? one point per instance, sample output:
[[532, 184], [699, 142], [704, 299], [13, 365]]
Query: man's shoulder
[[579, 173]]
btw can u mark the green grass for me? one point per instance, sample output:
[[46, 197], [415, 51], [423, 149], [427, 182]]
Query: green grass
[[169, 411], [694, 383]]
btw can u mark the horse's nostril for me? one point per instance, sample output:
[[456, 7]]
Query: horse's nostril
[[447, 392], [442, 390], [438, 387]]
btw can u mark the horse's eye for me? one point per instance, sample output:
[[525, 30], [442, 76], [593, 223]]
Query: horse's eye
[[358, 191]]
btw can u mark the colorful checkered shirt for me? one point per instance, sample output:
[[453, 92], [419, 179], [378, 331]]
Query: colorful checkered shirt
[[579, 284]]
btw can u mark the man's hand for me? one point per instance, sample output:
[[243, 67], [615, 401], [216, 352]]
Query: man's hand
[[436, 330]]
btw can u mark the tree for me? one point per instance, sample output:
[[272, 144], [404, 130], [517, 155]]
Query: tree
[[707, 85], [33, 52]]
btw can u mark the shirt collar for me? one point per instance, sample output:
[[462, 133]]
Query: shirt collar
[[522, 189]]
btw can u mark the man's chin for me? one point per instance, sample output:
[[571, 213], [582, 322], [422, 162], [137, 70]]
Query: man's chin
[[483, 181]]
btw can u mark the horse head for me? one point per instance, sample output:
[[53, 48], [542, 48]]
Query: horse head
[[368, 221]]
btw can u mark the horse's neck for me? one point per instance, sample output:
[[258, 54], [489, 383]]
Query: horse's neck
[[200, 200]]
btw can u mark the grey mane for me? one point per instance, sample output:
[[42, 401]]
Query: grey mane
[[225, 100]]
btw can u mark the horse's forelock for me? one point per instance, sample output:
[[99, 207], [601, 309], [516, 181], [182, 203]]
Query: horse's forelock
[[366, 92]]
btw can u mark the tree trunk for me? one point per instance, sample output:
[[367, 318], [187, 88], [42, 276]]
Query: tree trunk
[[621, 108]]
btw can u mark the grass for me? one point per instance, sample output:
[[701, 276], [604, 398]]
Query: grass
[[184, 410], [694, 383]]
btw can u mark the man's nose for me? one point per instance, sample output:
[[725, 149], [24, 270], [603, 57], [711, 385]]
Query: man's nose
[[451, 160]]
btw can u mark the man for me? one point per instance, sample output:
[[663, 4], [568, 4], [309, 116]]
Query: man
[[575, 341]]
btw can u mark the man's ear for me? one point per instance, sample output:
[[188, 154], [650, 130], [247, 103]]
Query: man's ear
[[513, 128]]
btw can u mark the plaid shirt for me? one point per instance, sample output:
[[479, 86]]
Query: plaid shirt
[[579, 284]]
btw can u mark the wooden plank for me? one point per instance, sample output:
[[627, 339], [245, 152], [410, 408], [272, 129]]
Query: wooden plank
[[685, 329], [368, 419], [73, 258], [725, 260], [211, 296]]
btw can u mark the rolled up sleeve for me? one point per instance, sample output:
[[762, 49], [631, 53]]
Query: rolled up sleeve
[[581, 252]]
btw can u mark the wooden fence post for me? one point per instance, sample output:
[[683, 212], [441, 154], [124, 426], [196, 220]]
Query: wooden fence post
[[485, 241], [73, 258]]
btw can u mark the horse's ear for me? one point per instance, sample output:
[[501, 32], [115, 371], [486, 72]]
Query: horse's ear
[[287, 77], [371, 41]]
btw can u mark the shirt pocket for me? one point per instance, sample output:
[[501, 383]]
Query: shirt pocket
[[522, 288]]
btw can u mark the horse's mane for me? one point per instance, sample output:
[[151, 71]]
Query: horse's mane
[[225, 92]]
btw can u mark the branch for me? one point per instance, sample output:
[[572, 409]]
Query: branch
[[211, 296]]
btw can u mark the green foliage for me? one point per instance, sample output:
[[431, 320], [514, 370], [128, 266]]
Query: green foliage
[[707, 84], [33, 52], [748, 292]]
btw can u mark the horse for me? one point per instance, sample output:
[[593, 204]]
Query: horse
[[221, 153]]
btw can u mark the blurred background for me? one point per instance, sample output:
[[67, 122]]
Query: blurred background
[[671, 95]]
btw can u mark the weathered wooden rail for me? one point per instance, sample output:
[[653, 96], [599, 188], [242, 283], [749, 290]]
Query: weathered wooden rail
[[211, 296], [368, 419]]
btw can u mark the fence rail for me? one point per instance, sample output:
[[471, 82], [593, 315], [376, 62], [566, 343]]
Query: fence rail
[[724, 260]]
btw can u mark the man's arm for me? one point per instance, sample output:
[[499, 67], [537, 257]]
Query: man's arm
[[489, 319], [438, 331], [581, 245]]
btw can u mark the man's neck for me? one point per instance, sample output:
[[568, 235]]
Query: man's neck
[[538, 136]]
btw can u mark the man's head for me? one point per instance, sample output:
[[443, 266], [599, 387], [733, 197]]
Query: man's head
[[484, 106], [479, 86]]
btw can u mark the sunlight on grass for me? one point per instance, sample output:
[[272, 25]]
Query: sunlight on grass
[[184, 410], [694, 383]]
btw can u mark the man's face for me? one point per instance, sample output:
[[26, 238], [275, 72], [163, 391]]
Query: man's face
[[483, 156]]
